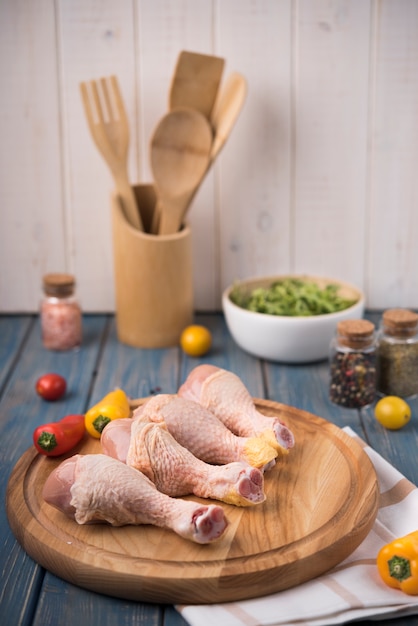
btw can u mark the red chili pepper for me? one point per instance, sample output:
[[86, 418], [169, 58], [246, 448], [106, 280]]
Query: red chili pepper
[[57, 438]]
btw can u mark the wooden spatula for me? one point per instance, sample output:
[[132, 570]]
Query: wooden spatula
[[226, 110], [195, 82], [179, 155], [224, 115], [109, 128]]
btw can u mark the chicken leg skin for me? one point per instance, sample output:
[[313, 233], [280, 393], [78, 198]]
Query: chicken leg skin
[[177, 472], [95, 488], [224, 394], [201, 432]]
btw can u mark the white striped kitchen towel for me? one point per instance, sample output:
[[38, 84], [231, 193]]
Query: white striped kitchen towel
[[350, 591]]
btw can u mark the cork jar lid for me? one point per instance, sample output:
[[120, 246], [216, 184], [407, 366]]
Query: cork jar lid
[[59, 285], [355, 333], [400, 322]]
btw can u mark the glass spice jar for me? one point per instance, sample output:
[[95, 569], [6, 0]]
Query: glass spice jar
[[60, 312], [353, 364], [397, 353]]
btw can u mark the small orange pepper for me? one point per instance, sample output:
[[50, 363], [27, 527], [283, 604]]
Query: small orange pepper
[[115, 405], [397, 563]]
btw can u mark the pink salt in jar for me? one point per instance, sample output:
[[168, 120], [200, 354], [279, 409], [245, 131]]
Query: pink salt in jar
[[61, 317]]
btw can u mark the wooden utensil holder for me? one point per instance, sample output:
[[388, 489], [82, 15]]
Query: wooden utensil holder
[[153, 278]]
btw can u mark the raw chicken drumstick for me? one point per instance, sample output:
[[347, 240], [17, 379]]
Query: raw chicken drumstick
[[198, 430], [224, 394], [116, 437], [177, 472], [96, 488]]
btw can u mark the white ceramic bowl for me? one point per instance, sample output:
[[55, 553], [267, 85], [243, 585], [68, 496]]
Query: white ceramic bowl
[[288, 339]]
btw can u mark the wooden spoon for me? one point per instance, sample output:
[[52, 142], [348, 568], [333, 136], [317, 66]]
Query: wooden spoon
[[224, 116], [180, 149], [195, 82]]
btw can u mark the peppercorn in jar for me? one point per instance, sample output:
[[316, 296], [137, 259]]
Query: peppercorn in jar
[[353, 364], [397, 353], [61, 318]]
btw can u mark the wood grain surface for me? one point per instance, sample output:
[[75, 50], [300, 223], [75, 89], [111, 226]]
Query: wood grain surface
[[153, 279], [321, 502], [325, 149]]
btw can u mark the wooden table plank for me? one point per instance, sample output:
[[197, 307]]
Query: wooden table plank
[[61, 604], [13, 330], [21, 411], [101, 364], [226, 354], [173, 618], [139, 373]]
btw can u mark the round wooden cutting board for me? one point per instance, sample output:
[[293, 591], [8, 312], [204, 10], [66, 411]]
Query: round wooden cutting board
[[321, 502]]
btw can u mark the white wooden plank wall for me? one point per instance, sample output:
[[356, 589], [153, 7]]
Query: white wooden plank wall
[[319, 175]]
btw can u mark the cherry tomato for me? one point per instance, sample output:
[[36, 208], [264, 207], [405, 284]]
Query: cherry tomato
[[51, 387], [195, 340], [57, 438], [392, 412]]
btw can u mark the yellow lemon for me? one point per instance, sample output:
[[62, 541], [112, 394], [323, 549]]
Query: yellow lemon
[[195, 340], [392, 412]]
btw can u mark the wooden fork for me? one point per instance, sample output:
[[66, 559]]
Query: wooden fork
[[109, 128]]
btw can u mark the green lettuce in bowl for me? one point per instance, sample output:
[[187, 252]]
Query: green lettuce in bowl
[[289, 318], [292, 296]]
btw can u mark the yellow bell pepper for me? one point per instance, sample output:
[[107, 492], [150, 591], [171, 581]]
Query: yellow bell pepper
[[397, 563], [115, 405]]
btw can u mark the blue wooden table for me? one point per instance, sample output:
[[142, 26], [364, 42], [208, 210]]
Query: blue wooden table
[[29, 595]]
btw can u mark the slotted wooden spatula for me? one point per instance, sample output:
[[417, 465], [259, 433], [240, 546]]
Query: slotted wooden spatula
[[195, 82], [109, 128]]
